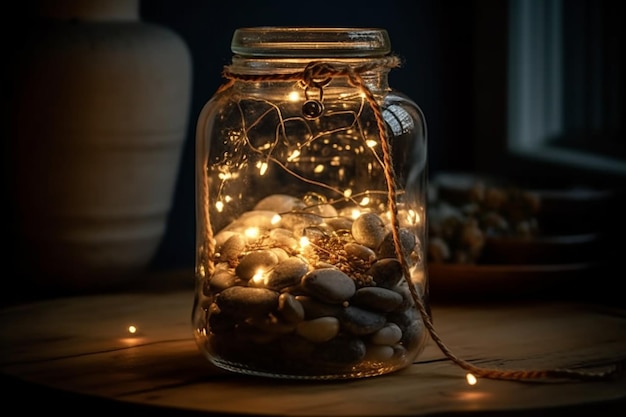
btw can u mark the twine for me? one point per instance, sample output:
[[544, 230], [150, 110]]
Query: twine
[[316, 74]]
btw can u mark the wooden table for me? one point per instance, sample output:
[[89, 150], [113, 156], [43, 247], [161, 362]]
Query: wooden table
[[75, 355]]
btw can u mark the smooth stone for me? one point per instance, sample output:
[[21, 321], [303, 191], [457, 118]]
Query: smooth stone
[[287, 273], [222, 236], [251, 263], [318, 330], [407, 298], [280, 253], [221, 280], [232, 247], [408, 243], [290, 309], [263, 219], [386, 273], [369, 229], [280, 203], [378, 353], [340, 350], [324, 210], [377, 299], [271, 324], [389, 334], [314, 308], [284, 238], [340, 223], [359, 321], [329, 285], [361, 252], [247, 301], [298, 221], [222, 323]]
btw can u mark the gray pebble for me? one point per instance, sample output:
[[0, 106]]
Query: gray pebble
[[359, 321], [329, 285], [340, 350], [252, 262], [369, 229], [360, 252], [386, 272], [280, 203], [387, 248], [377, 299], [314, 308], [289, 308], [287, 273], [319, 330], [246, 301]]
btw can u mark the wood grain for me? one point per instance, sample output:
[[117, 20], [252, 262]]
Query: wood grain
[[80, 346]]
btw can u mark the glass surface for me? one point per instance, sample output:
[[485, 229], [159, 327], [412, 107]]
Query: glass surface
[[297, 269]]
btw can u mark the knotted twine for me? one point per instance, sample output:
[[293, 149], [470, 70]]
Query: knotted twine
[[316, 75]]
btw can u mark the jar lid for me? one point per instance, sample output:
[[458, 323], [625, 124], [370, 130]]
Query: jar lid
[[310, 42]]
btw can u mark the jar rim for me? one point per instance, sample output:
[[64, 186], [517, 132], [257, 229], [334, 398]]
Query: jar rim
[[310, 42]]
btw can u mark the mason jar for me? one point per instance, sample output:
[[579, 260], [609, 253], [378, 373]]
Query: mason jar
[[311, 209]]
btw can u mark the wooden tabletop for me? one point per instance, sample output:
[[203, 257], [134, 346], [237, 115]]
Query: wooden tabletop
[[76, 355]]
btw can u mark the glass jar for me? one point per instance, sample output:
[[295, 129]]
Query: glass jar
[[311, 209]]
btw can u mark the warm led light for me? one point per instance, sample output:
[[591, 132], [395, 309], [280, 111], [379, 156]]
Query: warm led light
[[293, 96], [371, 143], [252, 232], [219, 206], [258, 277], [471, 379], [356, 213], [132, 329], [262, 168], [365, 201], [318, 169], [347, 193], [304, 241], [293, 155], [275, 219]]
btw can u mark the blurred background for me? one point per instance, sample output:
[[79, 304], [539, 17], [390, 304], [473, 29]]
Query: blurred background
[[528, 90]]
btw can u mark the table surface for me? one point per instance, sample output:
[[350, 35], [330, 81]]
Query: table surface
[[75, 352]]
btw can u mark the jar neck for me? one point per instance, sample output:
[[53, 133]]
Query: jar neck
[[375, 76]]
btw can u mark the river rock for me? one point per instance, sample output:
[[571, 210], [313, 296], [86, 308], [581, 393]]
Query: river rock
[[377, 299], [359, 321], [329, 285], [251, 263], [369, 229], [247, 301]]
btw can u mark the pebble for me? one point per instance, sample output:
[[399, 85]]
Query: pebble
[[329, 285], [379, 353], [386, 273], [368, 229], [361, 252], [377, 299], [390, 334], [340, 350], [359, 321], [247, 301], [319, 330], [280, 203], [314, 309], [387, 248], [289, 308], [232, 247], [251, 263], [287, 273], [221, 280]]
